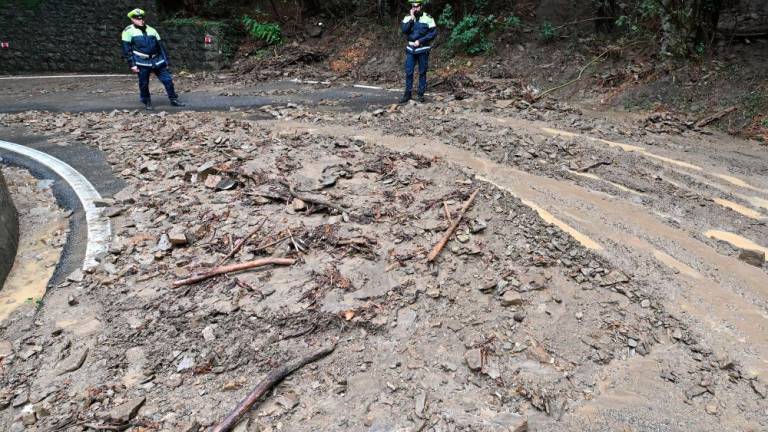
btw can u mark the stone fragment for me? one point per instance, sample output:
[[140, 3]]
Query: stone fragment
[[73, 362], [759, 388], [421, 404], [6, 348], [185, 364], [711, 409], [174, 381], [474, 359], [288, 400], [71, 300], [76, 276], [614, 277], [752, 257], [177, 236], [164, 244], [511, 298], [125, 412], [510, 422], [299, 205], [189, 426]]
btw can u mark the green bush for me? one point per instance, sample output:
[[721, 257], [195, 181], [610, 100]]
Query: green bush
[[470, 34], [547, 32], [267, 32]]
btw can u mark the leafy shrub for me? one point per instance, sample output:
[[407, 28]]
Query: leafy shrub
[[512, 23], [267, 32], [470, 34], [547, 32]]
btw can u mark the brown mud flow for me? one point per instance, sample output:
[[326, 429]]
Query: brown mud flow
[[557, 305], [42, 233]]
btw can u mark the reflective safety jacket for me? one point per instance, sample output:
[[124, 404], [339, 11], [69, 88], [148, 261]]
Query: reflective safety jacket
[[422, 29], [142, 47]]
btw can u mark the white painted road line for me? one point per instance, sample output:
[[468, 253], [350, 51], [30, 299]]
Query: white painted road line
[[99, 229], [369, 87], [22, 77]]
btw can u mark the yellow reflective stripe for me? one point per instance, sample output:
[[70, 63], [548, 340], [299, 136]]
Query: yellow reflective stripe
[[152, 32], [426, 19]]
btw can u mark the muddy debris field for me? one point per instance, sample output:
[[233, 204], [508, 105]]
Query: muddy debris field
[[514, 326]]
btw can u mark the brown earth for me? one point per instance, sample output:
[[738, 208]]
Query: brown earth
[[585, 289]]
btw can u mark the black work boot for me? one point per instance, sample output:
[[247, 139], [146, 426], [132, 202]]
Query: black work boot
[[406, 97], [177, 103], [148, 106], [421, 98]]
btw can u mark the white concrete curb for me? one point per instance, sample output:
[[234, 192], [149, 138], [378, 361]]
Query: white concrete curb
[[24, 77], [99, 228]]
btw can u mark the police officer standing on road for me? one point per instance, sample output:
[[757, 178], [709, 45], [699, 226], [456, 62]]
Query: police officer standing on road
[[420, 30], [146, 53]]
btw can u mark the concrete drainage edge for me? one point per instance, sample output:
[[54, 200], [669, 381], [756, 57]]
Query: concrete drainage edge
[[9, 231]]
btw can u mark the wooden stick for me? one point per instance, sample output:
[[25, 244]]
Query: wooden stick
[[242, 242], [447, 213], [280, 240], [443, 241], [714, 117], [233, 268], [272, 378]]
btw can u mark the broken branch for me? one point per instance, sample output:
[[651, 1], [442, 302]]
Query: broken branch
[[443, 241], [242, 242], [233, 268], [266, 384], [714, 117], [447, 213]]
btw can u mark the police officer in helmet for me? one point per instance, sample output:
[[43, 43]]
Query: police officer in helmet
[[145, 53]]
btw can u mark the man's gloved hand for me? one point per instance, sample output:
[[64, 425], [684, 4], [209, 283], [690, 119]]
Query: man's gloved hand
[[135, 69]]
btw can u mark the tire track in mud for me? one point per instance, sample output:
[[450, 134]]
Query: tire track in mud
[[719, 292]]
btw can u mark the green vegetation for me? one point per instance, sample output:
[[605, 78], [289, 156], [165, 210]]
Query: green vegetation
[[471, 34], [264, 31], [547, 32]]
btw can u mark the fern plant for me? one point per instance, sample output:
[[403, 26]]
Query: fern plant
[[267, 32]]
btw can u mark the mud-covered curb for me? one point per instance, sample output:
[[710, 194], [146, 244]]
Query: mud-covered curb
[[9, 230]]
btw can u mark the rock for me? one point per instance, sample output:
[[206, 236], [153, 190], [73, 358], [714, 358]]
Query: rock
[[711, 409], [519, 316], [474, 359], [164, 244], [174, 381], [76, 276], [189, 426], [73, 362], [71, 300], [511, 298], [614, 277], [510, 422], [209, 334], [6, 348], [17, 427], [177, 236], [645, 304], [299, 205], [288, 400], [759, 388], [185, 364], [28, 417], [20, 399], [128, 410], [752, 257], [420, 404]]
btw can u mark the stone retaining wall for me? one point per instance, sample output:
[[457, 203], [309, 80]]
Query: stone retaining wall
[[9, 231], [84, 36]]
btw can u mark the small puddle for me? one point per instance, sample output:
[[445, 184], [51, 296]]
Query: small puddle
[[738, 208], [674, 264], [598, 178], [635, 149], [736, 241]]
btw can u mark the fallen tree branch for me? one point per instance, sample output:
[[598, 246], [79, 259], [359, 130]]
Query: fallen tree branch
[[594, 165], [443, 241], [272, 378], [242, 242], [233, 268], [714, 117]]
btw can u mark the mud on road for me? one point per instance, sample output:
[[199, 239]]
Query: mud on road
[[584, 289]]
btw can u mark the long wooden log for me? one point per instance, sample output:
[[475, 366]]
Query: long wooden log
[[272, 378], [447, 236], [233, 268]]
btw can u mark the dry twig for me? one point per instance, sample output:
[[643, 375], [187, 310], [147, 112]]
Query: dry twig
[[266, 384], [233, 268], [242, 242], [444, 240]]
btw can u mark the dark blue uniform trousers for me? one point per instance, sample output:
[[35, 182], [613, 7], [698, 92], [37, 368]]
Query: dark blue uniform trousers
[[411, 59], [163, 74]]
